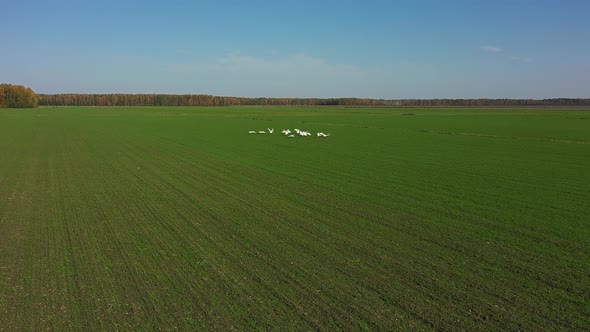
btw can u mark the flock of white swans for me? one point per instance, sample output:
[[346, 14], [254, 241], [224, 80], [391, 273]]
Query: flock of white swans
[[288, 132]]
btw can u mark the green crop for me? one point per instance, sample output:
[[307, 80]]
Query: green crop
[[403, 219]]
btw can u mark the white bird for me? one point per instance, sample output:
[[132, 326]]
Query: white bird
[[271, 130], [291, 136], [297, 130], [304, 133], [262, 132], [251, 132], [286, 131]]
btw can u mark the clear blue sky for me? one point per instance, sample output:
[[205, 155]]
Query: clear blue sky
[[377, 49]]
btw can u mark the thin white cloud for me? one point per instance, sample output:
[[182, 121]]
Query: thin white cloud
[[520, 59], [275, 75], [490, 49]]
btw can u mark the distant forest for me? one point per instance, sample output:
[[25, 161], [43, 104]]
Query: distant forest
[[207, 100]]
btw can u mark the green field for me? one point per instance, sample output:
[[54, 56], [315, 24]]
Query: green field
[[411, 219]]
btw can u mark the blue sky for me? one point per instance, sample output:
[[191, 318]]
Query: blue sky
[[376, 49]]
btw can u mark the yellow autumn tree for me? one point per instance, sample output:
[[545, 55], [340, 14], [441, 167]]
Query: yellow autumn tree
[[17, 96]]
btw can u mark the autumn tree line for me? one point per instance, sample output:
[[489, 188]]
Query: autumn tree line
[[20, 96], [17, 96], [208, 100]]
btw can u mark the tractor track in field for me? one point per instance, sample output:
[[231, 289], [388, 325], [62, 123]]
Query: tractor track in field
[[540, 139]]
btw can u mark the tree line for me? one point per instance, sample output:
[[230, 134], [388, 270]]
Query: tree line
[[208, 100], [20, 96], [17, 96], [189, 100]]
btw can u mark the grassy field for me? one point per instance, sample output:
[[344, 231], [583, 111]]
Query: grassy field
[[177, 218]]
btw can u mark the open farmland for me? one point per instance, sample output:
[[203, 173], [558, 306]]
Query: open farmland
[[177, 218]]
